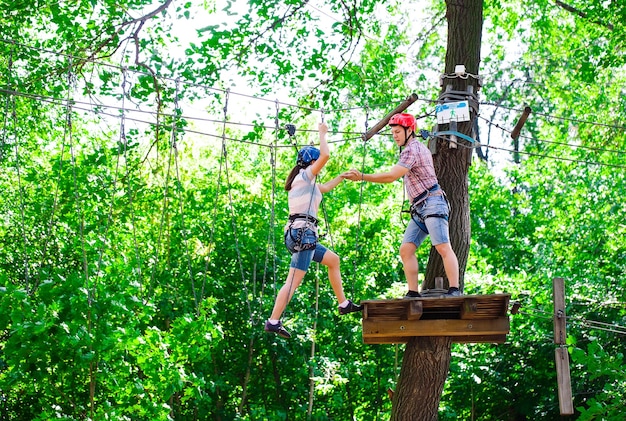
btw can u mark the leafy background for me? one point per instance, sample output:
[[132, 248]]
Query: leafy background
[[142, 206]]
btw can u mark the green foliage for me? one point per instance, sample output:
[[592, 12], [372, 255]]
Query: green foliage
[[604, 371], [136, 277]]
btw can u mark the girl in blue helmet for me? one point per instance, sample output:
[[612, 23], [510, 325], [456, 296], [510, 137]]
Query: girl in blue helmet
[[305, 196]]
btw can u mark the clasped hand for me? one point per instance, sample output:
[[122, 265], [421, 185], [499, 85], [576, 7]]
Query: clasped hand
[[353, 175]]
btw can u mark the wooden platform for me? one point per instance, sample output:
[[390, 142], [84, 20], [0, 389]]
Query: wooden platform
[[469, 318]]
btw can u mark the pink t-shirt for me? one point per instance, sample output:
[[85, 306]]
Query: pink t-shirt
[[304, 197]]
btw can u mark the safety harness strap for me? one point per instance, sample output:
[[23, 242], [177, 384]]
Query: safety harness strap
[[305, 216]]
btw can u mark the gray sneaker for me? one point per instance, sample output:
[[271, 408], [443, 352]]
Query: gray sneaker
[[453, 292], [277, 329], [350, 308]]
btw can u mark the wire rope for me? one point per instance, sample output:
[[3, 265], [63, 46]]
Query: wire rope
[[215, 208], [270, 251], [608, 327], [357, 245], [130, 186], [11, 108], [232, 216], [181, 196], [109, 220], [68, 137]]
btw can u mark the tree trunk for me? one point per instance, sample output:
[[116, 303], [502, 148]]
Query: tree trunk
[[422, 377], [427, 359], [465, 20]]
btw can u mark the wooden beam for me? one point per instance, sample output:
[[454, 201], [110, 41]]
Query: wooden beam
[[414, 310], [561, 357], [558, 287], [560, 354], [441, 327], [382, 123], [490, 339], [470, 306]]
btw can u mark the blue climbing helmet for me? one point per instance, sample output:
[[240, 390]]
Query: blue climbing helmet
[[306, 155]]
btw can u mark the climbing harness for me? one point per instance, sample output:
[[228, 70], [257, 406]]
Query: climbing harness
[[418, 202], [299, 239]]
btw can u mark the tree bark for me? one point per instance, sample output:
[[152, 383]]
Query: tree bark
[[465, 18], [426, 360], [424, 370]]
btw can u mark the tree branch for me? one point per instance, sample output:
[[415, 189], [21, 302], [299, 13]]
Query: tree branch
[[582, 14]]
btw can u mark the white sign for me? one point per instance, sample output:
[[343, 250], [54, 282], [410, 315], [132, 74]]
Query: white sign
[[452, 111]]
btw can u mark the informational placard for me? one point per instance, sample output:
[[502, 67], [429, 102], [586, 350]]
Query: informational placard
[[452, 111]]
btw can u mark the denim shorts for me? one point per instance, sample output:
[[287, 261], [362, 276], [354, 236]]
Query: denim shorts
[[302, 259], [436, 226]]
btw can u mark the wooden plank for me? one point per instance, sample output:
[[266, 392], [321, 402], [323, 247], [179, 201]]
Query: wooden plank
[[415, 310], [489, 339], [440, 327], [469, 308], [492, 339], [494, 297], [561, 356]]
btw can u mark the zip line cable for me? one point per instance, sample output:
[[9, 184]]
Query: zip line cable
[[556, 158], [126, 118], [204, 87], [608, 327], [554, 117], [189, 118]]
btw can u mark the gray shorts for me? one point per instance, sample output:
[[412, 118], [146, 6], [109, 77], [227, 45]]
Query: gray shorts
[[424, 222], [301, 259]]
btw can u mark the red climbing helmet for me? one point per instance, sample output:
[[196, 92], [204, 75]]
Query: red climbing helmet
[[404, 120]]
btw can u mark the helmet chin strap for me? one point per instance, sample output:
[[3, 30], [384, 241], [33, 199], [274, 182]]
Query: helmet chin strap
[[406, 136]]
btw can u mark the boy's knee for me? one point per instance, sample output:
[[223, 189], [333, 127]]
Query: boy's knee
[[407, 250], [444, 249]]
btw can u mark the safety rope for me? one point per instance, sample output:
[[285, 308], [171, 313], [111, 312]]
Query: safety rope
[[233, 213], [308, 224], [358, 218], [218, 188], [131, 193], [18, 172], [68, 136], [270, 250], [181, 196]]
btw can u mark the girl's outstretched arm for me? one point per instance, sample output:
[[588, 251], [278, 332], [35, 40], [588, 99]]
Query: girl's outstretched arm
[[317, 166], [329, 185]]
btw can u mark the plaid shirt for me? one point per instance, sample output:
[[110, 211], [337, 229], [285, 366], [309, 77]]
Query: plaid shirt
[[421, 175]]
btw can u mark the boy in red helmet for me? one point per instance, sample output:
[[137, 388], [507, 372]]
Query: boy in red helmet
[[429, 208]]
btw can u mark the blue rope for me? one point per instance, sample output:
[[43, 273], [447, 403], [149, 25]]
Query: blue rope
[[426, 134]]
